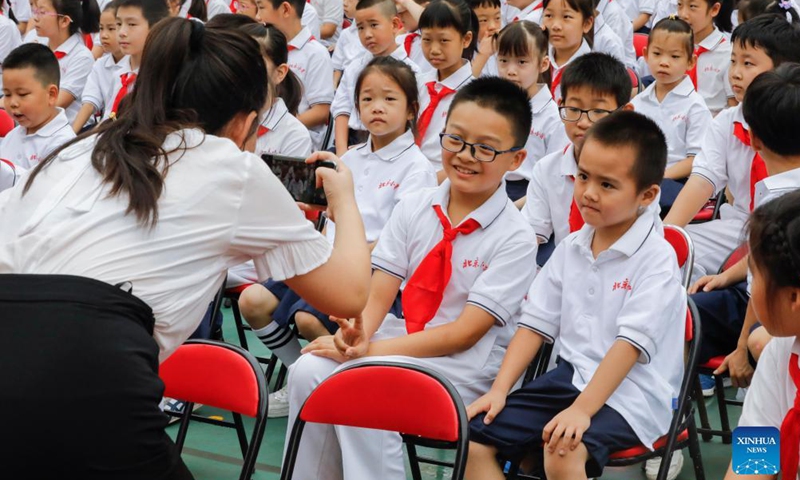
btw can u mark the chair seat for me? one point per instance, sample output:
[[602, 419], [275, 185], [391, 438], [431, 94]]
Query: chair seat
[[642, 450], [237, 290], [704, 215], [713, 364]]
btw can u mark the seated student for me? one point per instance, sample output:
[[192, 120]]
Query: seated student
[[570, 24], [618, 370], [460, 330], [386, 169], [30, 94], [330, 14], [308, 59], [639, 12], [616, 18], [672, 102], [378, 26], [348, 46], [729, 323], [9, 39], [489, 24], [135, 18], [606, 40], [97, 92], [726, 158], [448, 40], [409, 12], [522, 58], [59, 24]]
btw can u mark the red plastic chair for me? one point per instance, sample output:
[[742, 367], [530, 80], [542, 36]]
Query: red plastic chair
[[639, 43], [6, 123], [636, 84], [386, 391], [710, 210], [725, 431], [684, 251], [223, 376]]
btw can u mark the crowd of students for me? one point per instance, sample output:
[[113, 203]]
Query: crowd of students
[[508, 166]]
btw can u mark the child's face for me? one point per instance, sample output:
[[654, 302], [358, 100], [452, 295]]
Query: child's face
[[108, 32], [132, 30], [479, 125], [667, 57], [488, 21], [605, 190], [26, 99], [776, 312], [270, 15], [747, 63], [585, 98], [443, 47], [248, 8], [698, 14], [382, 106], [47, 21], [376, 31], [524, 71], [565, 25]]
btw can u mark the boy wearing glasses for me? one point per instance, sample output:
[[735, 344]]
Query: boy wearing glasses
[[593, 86], [467, 258]]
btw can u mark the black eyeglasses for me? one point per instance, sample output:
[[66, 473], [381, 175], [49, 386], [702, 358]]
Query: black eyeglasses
[[573, 114], [480, 152]]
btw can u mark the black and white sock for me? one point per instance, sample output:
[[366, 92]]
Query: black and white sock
[[281, 341]]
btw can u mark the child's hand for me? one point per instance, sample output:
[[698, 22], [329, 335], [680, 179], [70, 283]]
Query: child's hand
[[350, 340], [324, 347], [737, 364], [708, 283], [492, 403], [486, 45], [338, 184], [565, 430]]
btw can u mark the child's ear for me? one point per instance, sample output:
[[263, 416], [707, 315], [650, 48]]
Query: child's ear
[[52, 95], [628, 106], [286, 10], [644, 53], [692, 61], [544, 65], [794, 296], [649, 195], [588, 25], [714, 10], [466, 40], [519, 157], [397, 24], [282, 70]]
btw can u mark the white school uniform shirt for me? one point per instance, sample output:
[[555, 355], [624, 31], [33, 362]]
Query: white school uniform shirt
[[589, 303], [633, 8], [100, 84], [712, 71], [311, 20], [9, 40], [348, 48], [547, 134], [415, 52], [344, 102], [8, 175], [492, 267], [286, 135], [216, 7], [616, 18], [724, 161], [310, 61], [430, 145], [682, 116], [532, 13], [219, 207], [606, 41], [75, 66], [557, 70], [123, 68], [21, 9], [329, 11], [26, 151], [384, 178]]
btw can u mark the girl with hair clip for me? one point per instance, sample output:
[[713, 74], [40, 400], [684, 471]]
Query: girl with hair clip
[[60, 25], [710, 21], [570, 31], [139, 221], [279, 132], [522, 59], [449, 33]]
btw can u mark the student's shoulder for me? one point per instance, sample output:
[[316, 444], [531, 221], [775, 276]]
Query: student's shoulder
[[513, 226], [317, 50], [656, 255]]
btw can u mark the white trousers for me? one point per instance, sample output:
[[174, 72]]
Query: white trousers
[[714, 241]]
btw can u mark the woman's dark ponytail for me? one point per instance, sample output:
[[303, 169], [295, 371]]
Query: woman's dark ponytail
[[184, 68]]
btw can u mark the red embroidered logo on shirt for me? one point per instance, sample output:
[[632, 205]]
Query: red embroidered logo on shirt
[[539, 135], [679, 117], [389, 183], [712, 68], [298, 69], [623, 285], [475, 264]]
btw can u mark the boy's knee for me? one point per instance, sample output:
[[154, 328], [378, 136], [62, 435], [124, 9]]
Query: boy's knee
[[306, 373], [571, 465], [308, 325], [255, 303]]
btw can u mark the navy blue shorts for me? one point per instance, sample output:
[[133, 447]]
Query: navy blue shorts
[[291, 303], [517, 431]]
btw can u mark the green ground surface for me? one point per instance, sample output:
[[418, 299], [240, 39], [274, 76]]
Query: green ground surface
[[212, 453]]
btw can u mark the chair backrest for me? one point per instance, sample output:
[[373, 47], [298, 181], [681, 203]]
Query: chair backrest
[[391, 396], [215, 374], [684, 250], [6, 123], [735, 256], [639, 43]]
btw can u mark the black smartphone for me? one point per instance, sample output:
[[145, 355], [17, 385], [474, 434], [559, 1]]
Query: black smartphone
[[298, 177]]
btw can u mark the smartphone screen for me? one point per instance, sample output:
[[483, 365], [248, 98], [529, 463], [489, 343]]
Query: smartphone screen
[[298, 177]]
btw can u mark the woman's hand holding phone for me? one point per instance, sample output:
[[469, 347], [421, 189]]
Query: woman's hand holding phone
[[338, 183]]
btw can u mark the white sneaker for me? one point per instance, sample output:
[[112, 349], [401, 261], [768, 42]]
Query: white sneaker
[[651, 466], [278, 403]]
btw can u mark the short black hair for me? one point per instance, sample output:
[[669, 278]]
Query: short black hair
[[473, 4], [388, 7], [770, 108], [506, 98], [602, 73], [298, 5], [230, 21], [152, 10], [630, 129], [779, 39], [38, 57]]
